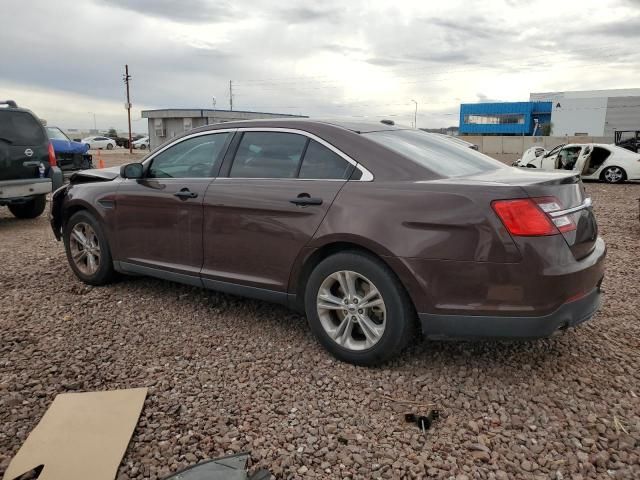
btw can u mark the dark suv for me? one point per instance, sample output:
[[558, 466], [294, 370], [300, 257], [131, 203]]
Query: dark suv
[[28, 169]]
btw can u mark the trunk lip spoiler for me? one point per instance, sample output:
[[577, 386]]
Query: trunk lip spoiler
[[587, 203]]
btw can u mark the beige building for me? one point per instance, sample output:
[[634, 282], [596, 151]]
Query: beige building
[[165, 124]]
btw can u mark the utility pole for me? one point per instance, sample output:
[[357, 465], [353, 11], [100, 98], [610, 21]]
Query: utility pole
[[126, 78], [415, 115], [230, 95]]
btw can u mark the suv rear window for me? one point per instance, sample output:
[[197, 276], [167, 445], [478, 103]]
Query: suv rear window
[[440, 155], [20, 128]]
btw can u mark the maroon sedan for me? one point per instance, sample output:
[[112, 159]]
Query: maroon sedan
[[370, 229]]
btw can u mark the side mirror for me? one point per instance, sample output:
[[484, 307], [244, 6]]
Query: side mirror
[[132, 170]]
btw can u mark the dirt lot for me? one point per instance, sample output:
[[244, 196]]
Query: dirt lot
[[227, 375]]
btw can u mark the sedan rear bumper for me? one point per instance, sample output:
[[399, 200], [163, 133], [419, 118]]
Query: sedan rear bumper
[[437, 326]]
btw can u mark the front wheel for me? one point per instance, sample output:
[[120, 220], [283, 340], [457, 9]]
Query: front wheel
[[30, 209], [358, 310], [614, 175], [87, 249]]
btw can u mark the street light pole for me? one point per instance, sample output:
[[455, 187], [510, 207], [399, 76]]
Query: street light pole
[[94, 121], [415, 115]]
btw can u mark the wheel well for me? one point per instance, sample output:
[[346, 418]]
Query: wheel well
[[68, 213], [326, 251]]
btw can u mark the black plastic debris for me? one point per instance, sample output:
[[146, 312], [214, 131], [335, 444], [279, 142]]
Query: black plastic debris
[[423, 422], [232, 467]]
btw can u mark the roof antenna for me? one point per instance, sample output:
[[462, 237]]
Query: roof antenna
[[388, 122]]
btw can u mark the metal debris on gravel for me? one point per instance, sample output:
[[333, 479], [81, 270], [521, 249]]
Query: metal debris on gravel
[[227, 375]]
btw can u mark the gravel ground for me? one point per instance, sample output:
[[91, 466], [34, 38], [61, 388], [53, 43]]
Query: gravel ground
[[228, 375]]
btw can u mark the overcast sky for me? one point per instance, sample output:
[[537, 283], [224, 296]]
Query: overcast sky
[[64, 59]]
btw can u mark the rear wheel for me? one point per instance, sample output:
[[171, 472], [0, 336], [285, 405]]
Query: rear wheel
[[31, 209], [109, 146], [143, 147], [358, 309], [614, 175], [87, 249]]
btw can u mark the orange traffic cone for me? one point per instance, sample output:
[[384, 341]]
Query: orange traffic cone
[[100, 161]]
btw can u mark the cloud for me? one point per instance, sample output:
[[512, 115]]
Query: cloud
[[627, 28], [187, 11], [305, 14], [362, 58]]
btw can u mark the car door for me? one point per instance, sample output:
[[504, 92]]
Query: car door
[[277, 189], [159, 218]]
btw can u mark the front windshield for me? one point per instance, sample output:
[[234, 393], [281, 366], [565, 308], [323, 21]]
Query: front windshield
[[56, 134], [440, 155]]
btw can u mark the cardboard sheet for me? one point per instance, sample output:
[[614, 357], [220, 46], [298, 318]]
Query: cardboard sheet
[[81, 436]]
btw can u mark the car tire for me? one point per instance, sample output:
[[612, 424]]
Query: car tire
[[31, 209], [95, 245], [613, 175], [109, 146], [88, 145], [530, 166], [143, 147], [393, 321]]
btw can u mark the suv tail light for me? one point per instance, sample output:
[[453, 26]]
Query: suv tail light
[[532, 217], [52, 156]]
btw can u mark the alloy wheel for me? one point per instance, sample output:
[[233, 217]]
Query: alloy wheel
[[85, 248], [613, 174], [351, 310]]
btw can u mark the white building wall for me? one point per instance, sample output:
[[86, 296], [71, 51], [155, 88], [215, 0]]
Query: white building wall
[[578, 116], [616, 92]]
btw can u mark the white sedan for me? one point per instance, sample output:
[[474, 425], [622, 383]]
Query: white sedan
[[98, 143], [596, 161], [142, 143]]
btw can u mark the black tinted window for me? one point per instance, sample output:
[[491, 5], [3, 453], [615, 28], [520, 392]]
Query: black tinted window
[[268, 155], [195, 157], [320, 162], [439, 155], [20, 128]]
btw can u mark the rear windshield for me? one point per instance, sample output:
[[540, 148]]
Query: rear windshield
[[440, 155], [20, 128]]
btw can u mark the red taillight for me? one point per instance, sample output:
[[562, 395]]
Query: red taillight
[[52, 156], [523, 217], [550, 205], [533, 217]]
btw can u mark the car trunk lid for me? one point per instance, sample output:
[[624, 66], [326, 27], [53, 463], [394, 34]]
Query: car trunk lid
[[571, 202]]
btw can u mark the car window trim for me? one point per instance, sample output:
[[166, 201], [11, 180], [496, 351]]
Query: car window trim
[[367, 176], [149, 160]]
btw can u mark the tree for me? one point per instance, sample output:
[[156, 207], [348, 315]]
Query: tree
[[112, 132]]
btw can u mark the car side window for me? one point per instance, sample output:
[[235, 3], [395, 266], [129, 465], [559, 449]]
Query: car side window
[[321, 163], [195, 157], [268, 155]]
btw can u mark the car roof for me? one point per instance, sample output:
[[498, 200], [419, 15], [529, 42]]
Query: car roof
[[353, 126]]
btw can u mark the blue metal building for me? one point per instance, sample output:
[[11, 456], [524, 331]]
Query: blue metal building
[[504, 118]]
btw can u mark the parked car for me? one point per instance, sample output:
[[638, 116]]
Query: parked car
[[529, 155], [369, 229], [142, 143], [70, 155], [28, 169], [99, 143], [595, 161]]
